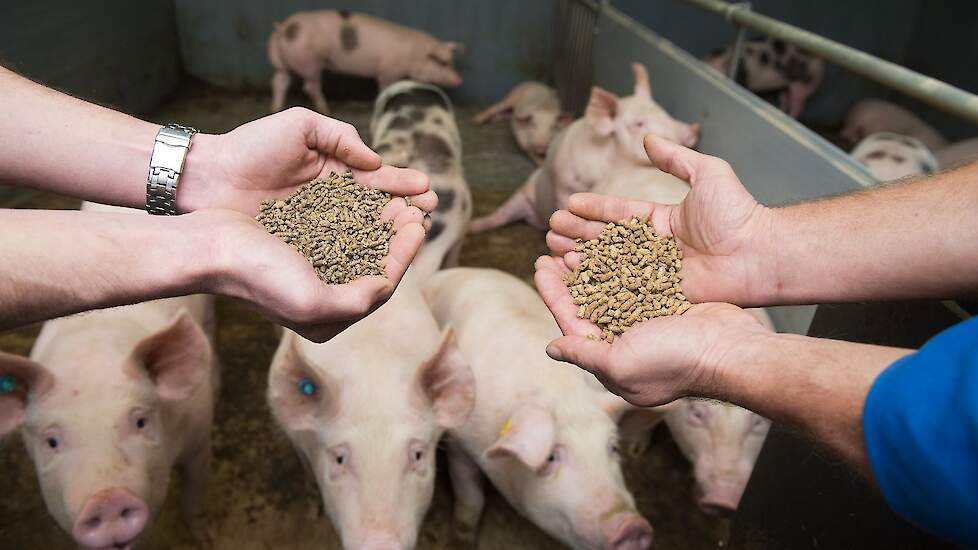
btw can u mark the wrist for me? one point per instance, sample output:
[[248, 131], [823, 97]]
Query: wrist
[[198, 173], [766, 283], [200, 266], [733, 367]]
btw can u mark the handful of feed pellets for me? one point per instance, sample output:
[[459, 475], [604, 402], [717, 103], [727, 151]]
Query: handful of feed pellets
[[335, 223], [628, 274]]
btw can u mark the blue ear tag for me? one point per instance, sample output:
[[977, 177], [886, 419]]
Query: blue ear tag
[[7, 383], [307, 387]]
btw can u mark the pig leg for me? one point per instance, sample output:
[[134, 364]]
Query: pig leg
[[196, 468], [280, 85], [453, 256], [493, 112], [517, 207], [470, 499], [314, 89]]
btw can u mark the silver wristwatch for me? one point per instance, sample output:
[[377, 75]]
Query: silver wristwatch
[[165, 166]]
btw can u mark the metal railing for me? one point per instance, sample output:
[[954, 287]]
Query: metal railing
[[574, 27], [929, 90]]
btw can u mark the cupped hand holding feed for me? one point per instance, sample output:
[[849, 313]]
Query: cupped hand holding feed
[[722, 231], [272, 156], [282, 285], [653, 362]]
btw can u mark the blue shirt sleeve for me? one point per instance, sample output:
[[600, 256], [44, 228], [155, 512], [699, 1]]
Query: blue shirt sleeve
[[920, 421]]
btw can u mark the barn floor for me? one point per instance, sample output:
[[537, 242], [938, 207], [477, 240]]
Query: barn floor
[[259, 495]]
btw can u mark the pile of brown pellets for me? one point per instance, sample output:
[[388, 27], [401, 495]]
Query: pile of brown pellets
[[335, 223], [628, 274]]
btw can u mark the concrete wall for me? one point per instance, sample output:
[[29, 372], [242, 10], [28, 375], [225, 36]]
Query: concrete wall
[[223, 41], [116, 52]]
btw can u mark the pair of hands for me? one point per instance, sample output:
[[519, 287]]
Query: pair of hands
[[725, 238], [271, 157]]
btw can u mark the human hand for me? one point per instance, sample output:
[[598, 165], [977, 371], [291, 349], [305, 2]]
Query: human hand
[[723, 232], [272, 156], [249, 263], [653, 362]]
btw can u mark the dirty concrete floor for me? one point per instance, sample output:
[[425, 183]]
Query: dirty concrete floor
[[260, 497]]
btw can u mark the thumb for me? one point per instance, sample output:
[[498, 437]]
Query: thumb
[[673, 158], [591, 355], [342, 142]]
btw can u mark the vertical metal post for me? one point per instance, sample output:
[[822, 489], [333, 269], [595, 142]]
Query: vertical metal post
[[738, 43]]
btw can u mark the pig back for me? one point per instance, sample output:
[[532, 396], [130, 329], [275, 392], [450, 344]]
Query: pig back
[[414, 126], [644, 183]]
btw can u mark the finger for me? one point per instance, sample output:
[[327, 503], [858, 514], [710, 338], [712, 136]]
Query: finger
[[404, 247], [560, 244], [675, 159], [426, 201], [555, 295], [591, 206], [340, 140], [589, 354], [398, 212], [572, 259], [575, 227], [402, 182]]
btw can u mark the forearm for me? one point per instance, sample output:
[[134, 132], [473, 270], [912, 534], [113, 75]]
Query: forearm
[[63, 262], [907, 240], [816, 385], [58, 143]]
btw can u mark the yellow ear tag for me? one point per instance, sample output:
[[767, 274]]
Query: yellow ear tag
[[506, 427]]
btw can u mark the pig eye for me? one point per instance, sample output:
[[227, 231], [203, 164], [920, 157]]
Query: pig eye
[[140, 423], [697, 416], [52, 443], [758, 423], [639, 123], [340, 459]]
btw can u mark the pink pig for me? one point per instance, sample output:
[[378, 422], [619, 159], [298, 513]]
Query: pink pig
[[722, 441], [535, 117], [366, 411], [543, 432], [870, 116], [608, 138], [308, 42], [108, 403]]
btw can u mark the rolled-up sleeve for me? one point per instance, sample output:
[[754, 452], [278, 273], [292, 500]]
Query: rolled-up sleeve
[[921, 426]]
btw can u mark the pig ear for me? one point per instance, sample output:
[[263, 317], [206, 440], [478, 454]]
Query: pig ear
[[298, 395], [633, 420], [528, 435], [641, 75], [447, 382], [20, 379], [177, 358], [443, 51], [601, 111]]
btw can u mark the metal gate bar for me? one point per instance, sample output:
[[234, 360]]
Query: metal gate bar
[[929, 90], [574, 27]]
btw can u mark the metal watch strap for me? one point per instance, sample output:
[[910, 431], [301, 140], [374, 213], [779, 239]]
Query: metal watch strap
[[166, 164]]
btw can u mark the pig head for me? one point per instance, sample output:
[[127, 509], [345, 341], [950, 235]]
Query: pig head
[[561, 468], [366, 415], [104, 415], [628, 120], [436, 67], [722, 441]]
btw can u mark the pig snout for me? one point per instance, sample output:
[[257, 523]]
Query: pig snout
[[721, 499], [627, 531], [382, 543], [112, 518]]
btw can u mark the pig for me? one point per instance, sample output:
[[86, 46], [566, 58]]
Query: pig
[[107, 404], [413, 126], [308, 42], [722, 441], [870, 116], [535, 117], [608, 137], [891, 156], [961, 152], [771, 66], [365, 411], [544, 433]]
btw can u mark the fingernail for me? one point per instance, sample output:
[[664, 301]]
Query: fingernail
[[554, 353]]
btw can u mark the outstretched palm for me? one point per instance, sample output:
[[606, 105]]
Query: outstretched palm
[[719, 226]]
